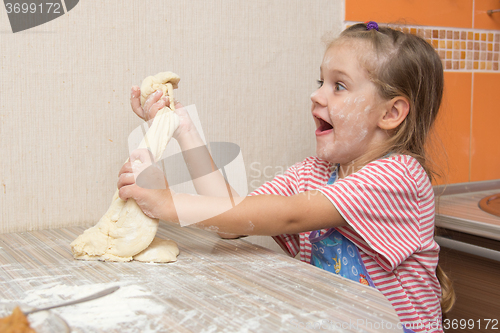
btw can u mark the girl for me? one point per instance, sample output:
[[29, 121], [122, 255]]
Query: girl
[[364, 206]]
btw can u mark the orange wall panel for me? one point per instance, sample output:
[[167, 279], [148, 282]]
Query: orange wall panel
[[484, 21], [485, 152], [453, 129], [468, 127], [442, 13]]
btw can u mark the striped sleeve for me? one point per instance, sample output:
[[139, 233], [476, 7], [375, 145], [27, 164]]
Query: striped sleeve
[[380, 204], [285, 185]]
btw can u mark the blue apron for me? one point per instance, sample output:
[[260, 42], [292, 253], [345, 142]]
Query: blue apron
[[333, 252], [337, 254]]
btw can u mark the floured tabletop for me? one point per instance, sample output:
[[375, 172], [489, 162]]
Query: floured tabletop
[[216, 285]]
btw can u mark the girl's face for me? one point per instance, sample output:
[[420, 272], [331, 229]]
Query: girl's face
[[346, 107]]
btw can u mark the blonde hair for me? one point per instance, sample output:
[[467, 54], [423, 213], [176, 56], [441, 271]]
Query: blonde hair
[[405, 65]]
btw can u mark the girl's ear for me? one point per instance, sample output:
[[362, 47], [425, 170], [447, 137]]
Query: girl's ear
[[396, 111]]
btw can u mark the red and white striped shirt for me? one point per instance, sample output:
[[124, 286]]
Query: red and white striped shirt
[[389, 207]]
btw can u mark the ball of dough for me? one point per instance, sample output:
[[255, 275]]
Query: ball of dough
[[158, 81], [160, 250]]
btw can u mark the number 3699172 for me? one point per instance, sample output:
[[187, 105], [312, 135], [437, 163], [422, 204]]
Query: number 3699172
[[27, 7], [491, 324]]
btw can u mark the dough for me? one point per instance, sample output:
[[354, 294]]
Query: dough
[[160, 250], [166, 82], [124, 230], [121, 233]]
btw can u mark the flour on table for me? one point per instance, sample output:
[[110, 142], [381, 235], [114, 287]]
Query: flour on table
[[132, 308], [125, 231]]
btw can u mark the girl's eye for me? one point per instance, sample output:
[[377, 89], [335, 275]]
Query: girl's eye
[[339, 86], [320, 83]]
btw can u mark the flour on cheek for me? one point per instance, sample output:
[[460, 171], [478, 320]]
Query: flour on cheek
[[350, 126]]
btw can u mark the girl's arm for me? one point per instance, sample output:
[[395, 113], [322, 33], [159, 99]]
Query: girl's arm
[[206, 176], [265, 215], [255, 215]]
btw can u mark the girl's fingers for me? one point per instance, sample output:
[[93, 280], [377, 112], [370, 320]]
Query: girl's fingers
[[151, 113], [126, 192], [126, 168], [180, 110], [139, 160], [126, 175], [178, 105], [150, 101], [135, 101], [125, 179]]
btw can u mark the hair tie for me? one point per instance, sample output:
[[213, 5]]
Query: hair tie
[[371, 25]]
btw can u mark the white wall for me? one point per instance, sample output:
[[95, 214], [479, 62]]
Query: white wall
[[248, 66]]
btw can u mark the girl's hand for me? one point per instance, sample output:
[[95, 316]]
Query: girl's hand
[[153, 103], [141, 180], [156, 102]]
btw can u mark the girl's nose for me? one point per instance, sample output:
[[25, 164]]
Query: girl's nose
[[318, 98]]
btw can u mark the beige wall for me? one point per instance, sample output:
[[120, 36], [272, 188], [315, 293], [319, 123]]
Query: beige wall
[[248, 66]]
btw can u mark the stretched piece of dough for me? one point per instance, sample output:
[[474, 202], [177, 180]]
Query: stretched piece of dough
[[124, 230]]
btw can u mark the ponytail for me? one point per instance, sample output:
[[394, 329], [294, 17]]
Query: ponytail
[[447, 293]]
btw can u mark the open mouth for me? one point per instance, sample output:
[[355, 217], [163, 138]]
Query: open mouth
[[323, 127]]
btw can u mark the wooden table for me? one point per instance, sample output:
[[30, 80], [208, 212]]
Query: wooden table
[[215, 286]]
